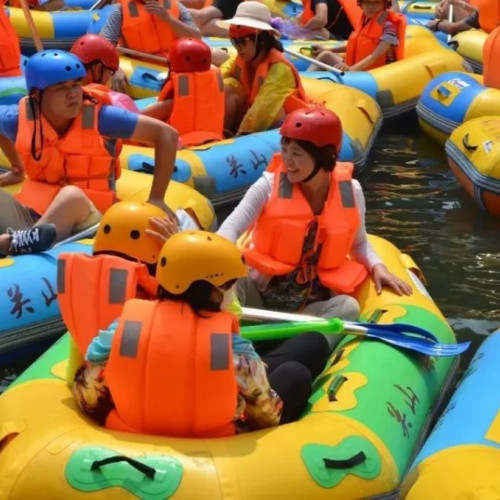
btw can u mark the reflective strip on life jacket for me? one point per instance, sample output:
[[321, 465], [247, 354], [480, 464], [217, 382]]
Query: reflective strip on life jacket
[[279, 234], [79, 158], [366, 38], [93, 289], [170, 371], [143, 31], [198, 106]]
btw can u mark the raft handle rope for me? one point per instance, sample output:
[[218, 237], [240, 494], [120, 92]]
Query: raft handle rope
[[467, 145], [148, 471], [347, 463]]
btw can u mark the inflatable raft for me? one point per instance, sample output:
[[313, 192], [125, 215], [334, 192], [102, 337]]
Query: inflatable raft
[[453, 98], [368, 412], [470, 45], [473, 153], [223, 171], [28, 298], [461, 458]]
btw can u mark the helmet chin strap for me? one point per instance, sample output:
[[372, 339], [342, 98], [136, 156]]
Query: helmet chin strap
[[315, 171], [256, 49]]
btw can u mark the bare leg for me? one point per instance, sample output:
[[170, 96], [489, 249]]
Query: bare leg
[[160, 110], [202, 16], [4, 243], [68, 209], [326, 57], [235, 109]]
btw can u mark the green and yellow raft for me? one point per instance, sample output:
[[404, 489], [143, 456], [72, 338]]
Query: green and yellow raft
[[365, 420]]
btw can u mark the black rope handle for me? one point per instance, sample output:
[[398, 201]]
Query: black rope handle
[[346, 463], [467, 145], [148, 471]]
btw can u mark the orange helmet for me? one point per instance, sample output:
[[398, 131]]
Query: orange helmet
[[189, 55], [91, 48], [122, 230], [191, 256]]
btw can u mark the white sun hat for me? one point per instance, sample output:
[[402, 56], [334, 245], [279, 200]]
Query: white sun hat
[[251, 14]]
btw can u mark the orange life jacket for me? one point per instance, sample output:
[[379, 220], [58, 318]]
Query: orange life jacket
[[366, 38], [170, 372], [489, 13], [280, 231], [93, 289], [296, 100], [10, 51], [143, 31], [79, 158], [491, 56], [352, 10], [198, 105]]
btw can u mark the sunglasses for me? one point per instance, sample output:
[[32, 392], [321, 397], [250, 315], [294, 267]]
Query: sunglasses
[[240, 41]]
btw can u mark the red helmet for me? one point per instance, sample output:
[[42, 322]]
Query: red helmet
[[90, 48], [320, 126], [189, 55]]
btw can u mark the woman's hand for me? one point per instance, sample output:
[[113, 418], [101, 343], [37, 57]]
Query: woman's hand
[[155, 9], [163, 228], [383, 277], [119, 81], [11, 177], [342, 66]]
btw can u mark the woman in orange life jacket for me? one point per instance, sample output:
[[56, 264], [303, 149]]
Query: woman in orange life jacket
[[261, 85], [377, 40], [233, 389], [64, 143], [101, 62], [309, 248]]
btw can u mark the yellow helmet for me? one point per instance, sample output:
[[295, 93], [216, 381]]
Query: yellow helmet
[[122, 230], [191, 256]]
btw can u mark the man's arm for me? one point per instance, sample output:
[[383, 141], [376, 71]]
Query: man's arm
[[9, 116]]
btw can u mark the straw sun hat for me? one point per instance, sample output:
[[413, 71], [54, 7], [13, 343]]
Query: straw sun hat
[[251, 14]]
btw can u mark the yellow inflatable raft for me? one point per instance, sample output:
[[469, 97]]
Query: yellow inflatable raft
[[366, 417], [470, 46]]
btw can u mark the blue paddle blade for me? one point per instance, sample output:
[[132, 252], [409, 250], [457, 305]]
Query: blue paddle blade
[[401, 328], [423, 346]]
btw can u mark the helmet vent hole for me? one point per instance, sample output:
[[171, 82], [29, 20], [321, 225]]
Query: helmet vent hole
[[298, 125], [135, 234], [107, 229], [188, 58], [209, 238], [68, 68], [163, 262]]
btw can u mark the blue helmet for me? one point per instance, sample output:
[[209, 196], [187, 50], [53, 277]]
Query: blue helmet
[[51, 67]]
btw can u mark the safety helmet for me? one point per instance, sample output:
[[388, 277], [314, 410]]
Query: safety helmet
[[51, 67], [122, 230], [191, 256], [320, 126], [91, 48], [189, 55]]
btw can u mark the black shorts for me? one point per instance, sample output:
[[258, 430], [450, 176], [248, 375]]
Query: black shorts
[[227, 7]]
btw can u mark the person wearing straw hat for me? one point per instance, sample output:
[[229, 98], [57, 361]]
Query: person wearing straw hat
[[261, 85]]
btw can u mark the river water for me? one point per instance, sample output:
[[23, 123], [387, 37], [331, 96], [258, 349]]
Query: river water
[[414, 200]]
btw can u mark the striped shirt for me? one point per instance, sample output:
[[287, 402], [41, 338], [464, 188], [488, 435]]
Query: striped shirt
[[113, 28]]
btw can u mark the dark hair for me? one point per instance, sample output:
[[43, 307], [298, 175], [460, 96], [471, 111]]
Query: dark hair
[[388, 3], [324, 157], [265, 41], [197, 296]]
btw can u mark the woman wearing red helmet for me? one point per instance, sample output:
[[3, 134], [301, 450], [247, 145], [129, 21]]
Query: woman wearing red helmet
[[307, 215], [101, 62]]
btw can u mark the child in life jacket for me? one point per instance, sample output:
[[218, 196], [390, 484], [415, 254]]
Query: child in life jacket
[[192, 99], [378, 39], [187, 335], [261, 85], [101, 62]]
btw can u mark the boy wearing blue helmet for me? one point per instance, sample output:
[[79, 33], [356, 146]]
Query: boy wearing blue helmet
[[62, 142]]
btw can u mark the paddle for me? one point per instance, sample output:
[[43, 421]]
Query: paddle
[[138, 53], [31, 26], [327, 67], [394, 334], [450, 20]]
